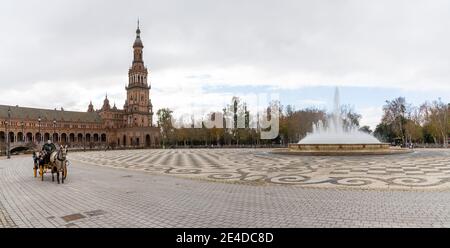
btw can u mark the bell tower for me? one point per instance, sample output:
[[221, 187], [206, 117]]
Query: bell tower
[[138, 106]]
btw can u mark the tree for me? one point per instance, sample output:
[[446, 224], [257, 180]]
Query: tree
[[365, 129], [394, 116], [413, 131], [165, 123], [384, 132], [295, 124], [412, 126], [350, 117], [437, 121]]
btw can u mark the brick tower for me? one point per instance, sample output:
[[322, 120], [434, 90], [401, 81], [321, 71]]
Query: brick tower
[[138, 106]]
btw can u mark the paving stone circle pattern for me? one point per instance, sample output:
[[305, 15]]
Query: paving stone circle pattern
[[419, 170]]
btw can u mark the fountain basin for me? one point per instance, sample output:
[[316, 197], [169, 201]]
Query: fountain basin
[[341, 149]]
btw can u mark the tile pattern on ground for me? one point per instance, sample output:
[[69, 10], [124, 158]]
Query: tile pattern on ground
[[5, 219], [419, 170]]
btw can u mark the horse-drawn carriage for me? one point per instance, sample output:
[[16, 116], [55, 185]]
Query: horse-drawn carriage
[[55, 162]]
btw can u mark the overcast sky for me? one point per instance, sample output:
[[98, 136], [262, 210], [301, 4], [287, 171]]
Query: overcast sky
[[66, 53]]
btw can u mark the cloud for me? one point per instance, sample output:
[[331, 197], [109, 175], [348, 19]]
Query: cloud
[[371, 116], [75, 51], [313, 103]]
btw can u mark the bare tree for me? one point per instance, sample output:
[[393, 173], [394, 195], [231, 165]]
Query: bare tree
[[437, 120], [165, 123], [394, 115]]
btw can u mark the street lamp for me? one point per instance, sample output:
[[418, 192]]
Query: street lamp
[[39, 126], [23, 137], [84, 140], [54, 130], [7, 134]]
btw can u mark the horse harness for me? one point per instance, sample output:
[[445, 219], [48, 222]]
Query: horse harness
[[58, 156]]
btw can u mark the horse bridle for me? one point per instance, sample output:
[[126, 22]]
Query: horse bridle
[[58, 156]]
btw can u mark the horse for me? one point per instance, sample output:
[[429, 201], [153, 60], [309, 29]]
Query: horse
[[58, 162]]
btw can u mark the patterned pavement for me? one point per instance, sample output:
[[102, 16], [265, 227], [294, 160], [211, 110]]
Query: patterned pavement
[[100, 196], [423, 169], [5, 219]]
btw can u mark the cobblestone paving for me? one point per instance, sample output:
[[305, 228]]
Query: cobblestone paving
[[5, 219], [424, 169], [96, 196]]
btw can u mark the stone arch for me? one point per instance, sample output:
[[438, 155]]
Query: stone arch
[[124, 140], [88, 137], [148, 140], [46, 137], [55, 137], [2, 137], [95, 137], [11, 137], [72, 137], [38, 137], [79, 137], [20, 137], [64, 138], [29, 137], [103, 138]]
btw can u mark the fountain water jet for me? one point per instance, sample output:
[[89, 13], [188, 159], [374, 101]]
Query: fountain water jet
[[334, 131], [335, 138]]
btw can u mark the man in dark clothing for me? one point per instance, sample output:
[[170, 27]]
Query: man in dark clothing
[[48, 149]]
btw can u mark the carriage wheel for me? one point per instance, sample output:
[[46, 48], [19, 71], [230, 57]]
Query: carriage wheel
[[41, 172]]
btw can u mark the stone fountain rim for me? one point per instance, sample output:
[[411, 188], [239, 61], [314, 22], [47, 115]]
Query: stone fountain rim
[[381, 149], [390, 151], [334, 144]]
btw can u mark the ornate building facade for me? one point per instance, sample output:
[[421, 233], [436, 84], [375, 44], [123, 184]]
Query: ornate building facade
[[131, 126]]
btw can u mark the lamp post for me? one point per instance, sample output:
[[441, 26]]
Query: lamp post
[[54, 130], [7, 134], [39, 127], [84, 140], [23, 137]]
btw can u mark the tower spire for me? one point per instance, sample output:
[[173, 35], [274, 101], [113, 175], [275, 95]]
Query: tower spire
[[138, 30], [138, 42], [90, 107]]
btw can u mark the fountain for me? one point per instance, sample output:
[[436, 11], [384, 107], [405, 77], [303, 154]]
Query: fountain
[[334, 132], [335, 138]]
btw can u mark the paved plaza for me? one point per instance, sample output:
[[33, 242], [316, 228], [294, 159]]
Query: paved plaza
[[424, 169], [229, 188]]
